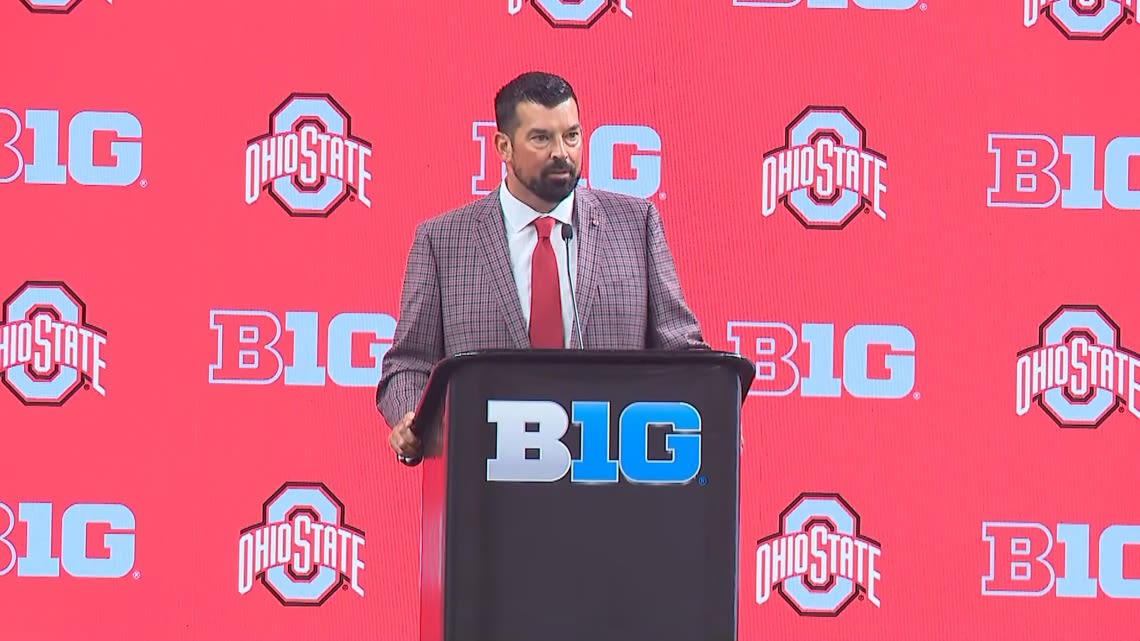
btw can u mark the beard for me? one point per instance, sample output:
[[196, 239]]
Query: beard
[[547, 187]]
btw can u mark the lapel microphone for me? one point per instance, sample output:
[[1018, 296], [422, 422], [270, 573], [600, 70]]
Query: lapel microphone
[[567, 236]]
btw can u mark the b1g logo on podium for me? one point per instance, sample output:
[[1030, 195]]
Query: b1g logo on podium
[[53, 6], [1078, 373], [624, 159], [878, 360], [302, 551], [48, 350], [1082, 19], [824, 174], [96, 540], [638, 423], [574, 14], [819, 561], [1023, 561], [309, 162], [251, 349], [1026, 175], [104, 148]]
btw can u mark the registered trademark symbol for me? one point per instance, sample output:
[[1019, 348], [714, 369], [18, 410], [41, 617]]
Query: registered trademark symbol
[[917, 395], [922, 7], [344, 587], [661, 195], [703, 480], [861, 597], [136, 575], [87, 386], [143, 183], [1120, 410], [352, 198]]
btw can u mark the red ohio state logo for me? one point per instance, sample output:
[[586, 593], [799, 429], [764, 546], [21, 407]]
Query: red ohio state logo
[[574, 14]]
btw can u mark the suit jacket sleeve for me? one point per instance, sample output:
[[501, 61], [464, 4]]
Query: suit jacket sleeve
[[672, 324], [418, 342]]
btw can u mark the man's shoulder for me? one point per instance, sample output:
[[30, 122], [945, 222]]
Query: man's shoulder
[[458, 220], [620, 210], [614, 202], [617, 207]]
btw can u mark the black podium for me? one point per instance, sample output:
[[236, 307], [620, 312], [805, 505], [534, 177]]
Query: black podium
[[581, 496]]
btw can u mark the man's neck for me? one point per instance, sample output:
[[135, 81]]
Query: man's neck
[[527, 198]]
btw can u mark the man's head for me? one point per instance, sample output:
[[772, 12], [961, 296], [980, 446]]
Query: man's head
[[539, 137]]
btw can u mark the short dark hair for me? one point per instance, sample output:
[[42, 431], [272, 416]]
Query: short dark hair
[[539, 87]]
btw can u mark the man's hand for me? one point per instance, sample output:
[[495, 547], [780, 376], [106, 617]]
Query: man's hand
[[403, 440]]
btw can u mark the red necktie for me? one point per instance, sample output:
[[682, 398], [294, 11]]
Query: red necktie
[[545, 296]]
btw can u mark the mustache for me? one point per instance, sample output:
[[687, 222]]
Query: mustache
[[559, 165]]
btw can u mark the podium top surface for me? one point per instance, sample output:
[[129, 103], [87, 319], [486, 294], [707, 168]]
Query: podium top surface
[[443, 371]]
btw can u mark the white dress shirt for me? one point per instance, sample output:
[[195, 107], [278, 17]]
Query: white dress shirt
[[522, 238]]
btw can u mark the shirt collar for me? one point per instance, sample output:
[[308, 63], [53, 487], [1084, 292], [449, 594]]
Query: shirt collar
[[518, 214]]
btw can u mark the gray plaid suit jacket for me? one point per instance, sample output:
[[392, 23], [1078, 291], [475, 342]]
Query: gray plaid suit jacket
[[459, 293]]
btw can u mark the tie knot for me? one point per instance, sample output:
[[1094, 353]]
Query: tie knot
[[544, 225]]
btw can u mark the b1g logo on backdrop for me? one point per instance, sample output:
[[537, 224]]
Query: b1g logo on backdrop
[[103, 148], [310, 162], [625, 159], [878, 361], [302, 550], [1078, 373], [896, 5], [819, 561], [253, 349], [579, 14], [1082, 19], [1024, 561], [1026, 174], [824, 174], [53, 6], [96, 540], [48, 350], [638, 438]]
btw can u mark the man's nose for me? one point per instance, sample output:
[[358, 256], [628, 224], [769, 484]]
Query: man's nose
[[559, 150]]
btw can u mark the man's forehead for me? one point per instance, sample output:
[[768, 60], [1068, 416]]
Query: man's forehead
[[532, 114]]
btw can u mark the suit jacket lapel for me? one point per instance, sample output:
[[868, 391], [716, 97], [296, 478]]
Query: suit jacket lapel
[[589, 225], [491, 247]]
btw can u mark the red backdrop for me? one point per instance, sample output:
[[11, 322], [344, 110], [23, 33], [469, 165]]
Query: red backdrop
[[933, 271]]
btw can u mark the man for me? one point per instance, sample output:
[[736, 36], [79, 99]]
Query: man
[[493, 274]]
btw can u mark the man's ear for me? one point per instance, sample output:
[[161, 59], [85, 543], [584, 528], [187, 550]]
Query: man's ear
[[503, 146]]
